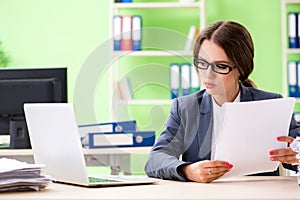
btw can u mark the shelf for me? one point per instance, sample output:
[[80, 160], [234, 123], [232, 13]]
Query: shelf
[[152, 53], [292, 51], [157, 5], [285, 50], [147, 102], [291, 1], [155, 54]]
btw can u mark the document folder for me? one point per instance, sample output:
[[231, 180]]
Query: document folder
[[195, 82], [185, 78], [190, 39], [174, 80], [292, 29], [126, 41], [121, 139], [136, 33], [107, 127], [298, 30], [298, 80], [117, 24], [292, 78]]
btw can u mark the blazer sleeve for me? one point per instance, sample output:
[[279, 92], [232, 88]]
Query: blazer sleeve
[[163, 160]]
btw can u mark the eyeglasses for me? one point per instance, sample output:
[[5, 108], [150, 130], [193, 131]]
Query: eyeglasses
[[218, 68]]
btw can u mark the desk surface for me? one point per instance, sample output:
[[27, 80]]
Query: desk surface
[[117, 158], [244, 188], [127, 150]]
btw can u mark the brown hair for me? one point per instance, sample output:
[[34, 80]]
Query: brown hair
[[237, 44]]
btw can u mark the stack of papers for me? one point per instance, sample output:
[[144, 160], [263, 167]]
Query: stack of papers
[[20, 176], [245, 142]]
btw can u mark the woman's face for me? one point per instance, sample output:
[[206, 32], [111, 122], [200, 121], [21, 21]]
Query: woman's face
[[219, 86]]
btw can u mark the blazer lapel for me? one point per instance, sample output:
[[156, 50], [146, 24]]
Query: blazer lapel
[[205, 127]]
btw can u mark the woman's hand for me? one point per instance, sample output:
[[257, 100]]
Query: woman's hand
[[206, 171], [286, 155]]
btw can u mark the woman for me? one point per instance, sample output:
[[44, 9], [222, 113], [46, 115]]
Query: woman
[[223, 57]]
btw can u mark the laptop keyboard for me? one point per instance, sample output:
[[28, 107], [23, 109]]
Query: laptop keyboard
[[100, 180]]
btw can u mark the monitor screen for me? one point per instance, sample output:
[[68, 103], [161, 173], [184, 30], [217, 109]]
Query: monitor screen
[[19, 86]]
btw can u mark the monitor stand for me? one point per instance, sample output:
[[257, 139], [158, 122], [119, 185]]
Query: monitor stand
[[19, 138]]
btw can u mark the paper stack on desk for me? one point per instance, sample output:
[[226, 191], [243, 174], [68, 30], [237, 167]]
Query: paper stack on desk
[[20, 176]]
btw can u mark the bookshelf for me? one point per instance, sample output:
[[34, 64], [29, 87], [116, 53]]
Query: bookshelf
[[118, 54], [157, 5], [287, 53], [156, 55]]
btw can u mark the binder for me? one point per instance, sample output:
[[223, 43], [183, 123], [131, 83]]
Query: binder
[[174, 80], [197, 34], [298, 80], [107, 127], [292, 78], [121, 139], [117, 32], [296, 116], [185, 78], [190, 38], [298, 30], [195, 82], [136, 32], [293, 29], [125, 88], [126, 40]]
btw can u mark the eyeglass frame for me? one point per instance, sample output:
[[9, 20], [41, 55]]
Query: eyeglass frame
[[213, 66]]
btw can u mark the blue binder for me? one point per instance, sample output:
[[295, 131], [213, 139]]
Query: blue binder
[[121, 139], [296, 116], [174, 80], [298, 30], [117, 22], [185, 78], [136, 32], [292, 78], [195, 82], [108, 127], [293, 29], [297, 79]]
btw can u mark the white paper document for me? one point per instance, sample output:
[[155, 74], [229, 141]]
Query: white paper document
[[249, 133], [20, 176]]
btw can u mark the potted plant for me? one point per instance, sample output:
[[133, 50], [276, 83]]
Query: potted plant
[[4, 59]]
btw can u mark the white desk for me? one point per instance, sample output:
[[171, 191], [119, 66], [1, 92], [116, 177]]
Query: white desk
[[255, 188], [117, 158]]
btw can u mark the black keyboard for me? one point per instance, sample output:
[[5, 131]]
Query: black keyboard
[[100, 180]]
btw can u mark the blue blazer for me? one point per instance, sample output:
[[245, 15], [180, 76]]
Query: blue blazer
[[188, 131]]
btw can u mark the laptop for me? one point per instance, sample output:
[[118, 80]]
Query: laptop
[[55, 142]]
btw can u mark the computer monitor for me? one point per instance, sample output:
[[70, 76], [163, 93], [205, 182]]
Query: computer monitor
[[19, 86]]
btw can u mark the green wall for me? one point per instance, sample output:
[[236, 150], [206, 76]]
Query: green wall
[[52, 33], [41, 33], [46, 33], [263, 20]]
